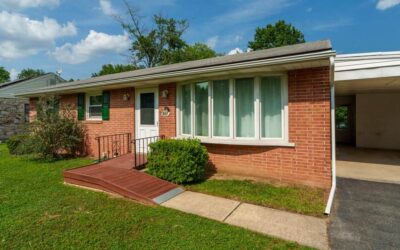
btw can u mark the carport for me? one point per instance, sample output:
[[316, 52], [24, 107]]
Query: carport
[[367, 97]]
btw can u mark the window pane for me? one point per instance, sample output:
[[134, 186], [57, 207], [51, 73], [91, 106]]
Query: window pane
[[271, 107], [95, 111], [221, 107], [244, 105], [342, 117], [186, 111], [147, 109], [201, 108], [96, 100]]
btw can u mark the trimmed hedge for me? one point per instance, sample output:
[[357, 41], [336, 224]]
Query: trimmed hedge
[[178, 161]]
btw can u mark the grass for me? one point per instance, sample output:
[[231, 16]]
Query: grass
[[304, 200], [38, 212]]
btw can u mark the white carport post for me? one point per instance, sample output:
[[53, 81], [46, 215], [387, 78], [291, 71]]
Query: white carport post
[[333, 138]]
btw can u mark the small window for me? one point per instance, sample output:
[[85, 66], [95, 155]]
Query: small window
[[147, 116], [26, 112], [95, 104], [342, 117]]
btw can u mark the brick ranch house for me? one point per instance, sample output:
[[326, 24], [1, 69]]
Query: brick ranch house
[[265, 114]]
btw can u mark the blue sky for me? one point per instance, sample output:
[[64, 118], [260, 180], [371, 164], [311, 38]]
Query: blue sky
[[80, 36]]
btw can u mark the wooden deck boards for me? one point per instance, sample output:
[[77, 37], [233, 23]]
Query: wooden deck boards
[[118, 176]]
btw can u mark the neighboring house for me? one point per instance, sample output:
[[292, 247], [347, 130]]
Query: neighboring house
[[14, 111], [267, 113]]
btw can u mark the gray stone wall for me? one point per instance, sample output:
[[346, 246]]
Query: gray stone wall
[[12, 117]]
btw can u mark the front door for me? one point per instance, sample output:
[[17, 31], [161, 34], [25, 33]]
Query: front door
[[146, 107]]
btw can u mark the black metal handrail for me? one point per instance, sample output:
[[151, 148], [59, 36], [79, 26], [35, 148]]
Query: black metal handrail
[[142, 149], [111, 146]]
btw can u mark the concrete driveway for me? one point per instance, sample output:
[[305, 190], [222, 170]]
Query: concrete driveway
[[366, 215]]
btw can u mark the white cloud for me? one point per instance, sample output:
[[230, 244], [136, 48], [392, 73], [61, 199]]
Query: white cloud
[[95, 44], [330, 25], [29, 3], [13, 74], [235, 51], [212, 41], [253, 10], [21, 36], [107, 8], [386, 4]]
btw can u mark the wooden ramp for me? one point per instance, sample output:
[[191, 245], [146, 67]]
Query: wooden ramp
[[117, 176]]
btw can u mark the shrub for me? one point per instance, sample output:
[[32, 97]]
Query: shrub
[[14, 142], [54, 132], [178, 161]]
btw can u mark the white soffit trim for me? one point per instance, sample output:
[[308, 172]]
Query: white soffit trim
[[367, 66]]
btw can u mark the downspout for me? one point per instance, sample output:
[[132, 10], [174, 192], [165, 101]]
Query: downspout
[[333, 137]]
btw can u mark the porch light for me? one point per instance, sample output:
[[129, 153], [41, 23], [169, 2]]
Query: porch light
[[164, 93], [126, 97]]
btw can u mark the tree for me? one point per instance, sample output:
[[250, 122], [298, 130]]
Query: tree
[[150, 47], [107, 69], [279, 34], [4, 75], [30, 73], [189, 53]]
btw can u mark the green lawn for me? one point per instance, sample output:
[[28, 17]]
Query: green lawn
[[302, 200], [38, 212]]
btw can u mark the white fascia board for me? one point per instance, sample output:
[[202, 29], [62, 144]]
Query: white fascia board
[[367, 73]]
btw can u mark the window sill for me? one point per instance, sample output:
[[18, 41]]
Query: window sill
[[93, 122], [245, 142]]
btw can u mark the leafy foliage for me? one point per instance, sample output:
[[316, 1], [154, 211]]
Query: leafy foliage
[[108, 69], [30, 73], [178, 161], [14, 142], [56, 133], [342, 117], [277, 35], [189, 53], [162, 44], [4, 75]]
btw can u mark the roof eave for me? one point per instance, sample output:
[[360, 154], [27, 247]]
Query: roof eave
[[242, 65]]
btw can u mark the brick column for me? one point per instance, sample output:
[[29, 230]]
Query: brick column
[[167, 123]]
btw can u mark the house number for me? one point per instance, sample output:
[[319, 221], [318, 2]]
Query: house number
[[165, 111]]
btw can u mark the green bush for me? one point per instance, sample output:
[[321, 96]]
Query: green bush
[[14, 142], [56, 132], [178, 161]]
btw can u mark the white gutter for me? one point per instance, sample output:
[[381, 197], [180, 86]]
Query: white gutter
[[333, 138], [180, 73]]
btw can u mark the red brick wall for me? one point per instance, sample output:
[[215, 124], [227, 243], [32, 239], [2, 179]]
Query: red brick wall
[[122, 116], [168, 123], [309, 162]]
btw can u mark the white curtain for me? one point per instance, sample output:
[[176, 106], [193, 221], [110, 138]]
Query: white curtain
[[186, 110], [244, 105], [201, 108], [271, 107], [221, 108]]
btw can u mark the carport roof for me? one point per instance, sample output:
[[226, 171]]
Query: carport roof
[[286, 54]]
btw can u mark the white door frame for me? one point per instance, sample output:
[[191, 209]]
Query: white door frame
[[137, 109]]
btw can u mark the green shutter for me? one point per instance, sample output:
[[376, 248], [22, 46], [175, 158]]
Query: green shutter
[[81, 107], [57, 105], [106, 106]]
